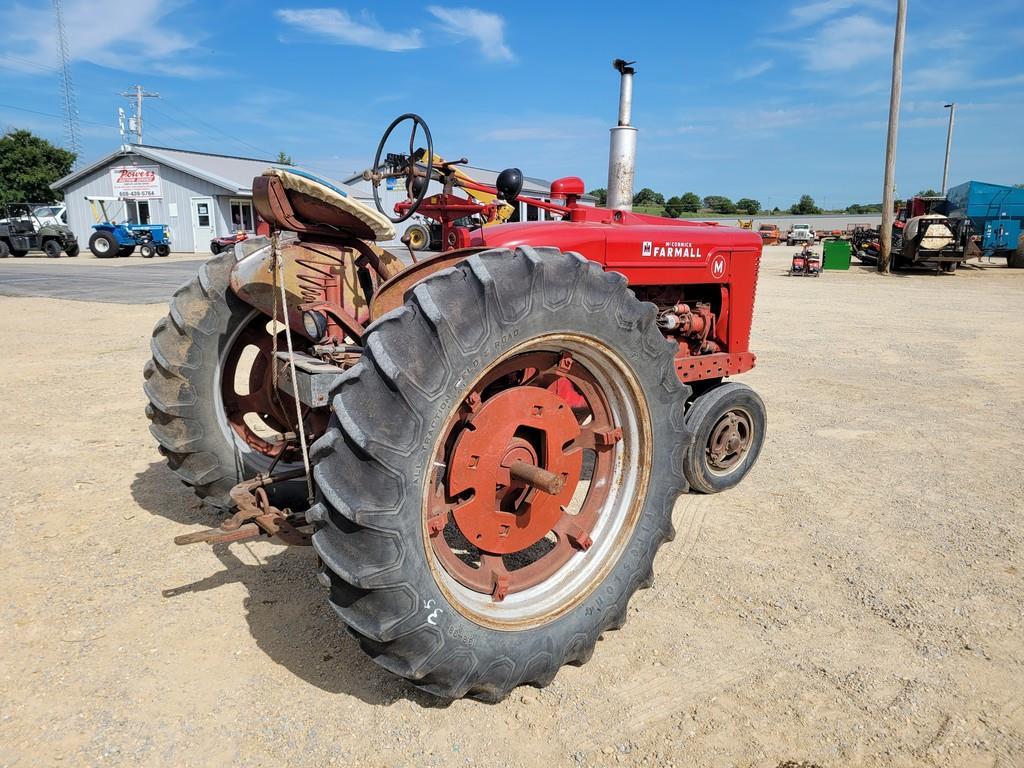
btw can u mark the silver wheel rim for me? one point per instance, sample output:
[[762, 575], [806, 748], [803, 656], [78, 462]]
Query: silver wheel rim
[[574, 581]]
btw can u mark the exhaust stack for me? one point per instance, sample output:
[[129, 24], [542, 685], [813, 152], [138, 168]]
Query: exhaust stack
[[622, 151]]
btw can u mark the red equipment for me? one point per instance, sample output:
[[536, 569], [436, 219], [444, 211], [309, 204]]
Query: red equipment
[[668, 262], [496, 434], [806, 263]]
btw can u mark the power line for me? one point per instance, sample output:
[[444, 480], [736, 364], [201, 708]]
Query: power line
[[261, 150], [49, 114], [30, 63]]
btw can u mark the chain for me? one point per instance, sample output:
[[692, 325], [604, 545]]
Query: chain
[[278, 278]]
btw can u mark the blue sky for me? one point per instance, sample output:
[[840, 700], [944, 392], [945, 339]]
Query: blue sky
[[767, 100]]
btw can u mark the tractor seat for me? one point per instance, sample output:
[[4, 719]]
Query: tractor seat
[[301, 202]]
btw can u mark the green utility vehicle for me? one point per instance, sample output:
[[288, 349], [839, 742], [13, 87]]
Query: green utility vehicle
[[28, 227]]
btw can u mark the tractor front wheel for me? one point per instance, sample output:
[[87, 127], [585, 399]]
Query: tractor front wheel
[[163, 250], [147, 251], [728, 425], [499, 472], [103, 245]]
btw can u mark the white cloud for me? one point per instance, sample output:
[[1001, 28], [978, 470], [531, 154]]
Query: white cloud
[[339, 27], [488, 29], [547, 128], [753, 70], [846, 43], [811, 13], [99, 31]]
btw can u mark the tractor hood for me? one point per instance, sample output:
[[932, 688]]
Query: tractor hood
[[647, 245]]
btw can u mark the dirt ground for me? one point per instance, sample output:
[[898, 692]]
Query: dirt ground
[[856, 601]]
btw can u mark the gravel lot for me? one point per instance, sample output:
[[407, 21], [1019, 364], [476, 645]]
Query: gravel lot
[[856, 601]]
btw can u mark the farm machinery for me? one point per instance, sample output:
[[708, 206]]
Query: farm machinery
[[26, 227], [805, 263], [922, 237], [112, 239], [483, 447]]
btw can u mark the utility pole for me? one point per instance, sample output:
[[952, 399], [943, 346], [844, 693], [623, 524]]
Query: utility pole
[[890, 144], [949, 143], [139, 94]]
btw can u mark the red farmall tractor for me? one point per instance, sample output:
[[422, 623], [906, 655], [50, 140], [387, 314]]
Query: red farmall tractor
[[484, 447]]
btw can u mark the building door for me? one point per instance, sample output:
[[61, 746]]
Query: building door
[[203, 227]]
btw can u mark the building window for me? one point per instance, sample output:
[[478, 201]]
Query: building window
[[137, 211], [241, 216]]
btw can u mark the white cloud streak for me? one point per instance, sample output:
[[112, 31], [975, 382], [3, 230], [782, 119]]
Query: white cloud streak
[[846, 43], [100, 32], [487, 29], [759, 68], [340, 27]]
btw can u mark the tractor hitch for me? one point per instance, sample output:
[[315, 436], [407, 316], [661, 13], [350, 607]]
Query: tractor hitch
[[255, 516]]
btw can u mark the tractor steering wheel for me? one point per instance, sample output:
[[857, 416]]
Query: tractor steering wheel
[[387, 171]]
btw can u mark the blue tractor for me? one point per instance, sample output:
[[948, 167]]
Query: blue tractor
[[112, 239]]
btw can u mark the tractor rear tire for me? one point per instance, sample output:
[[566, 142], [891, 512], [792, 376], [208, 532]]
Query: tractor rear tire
[[378, 478], [182, 383], [52, 249], [1015, 259], [717, 415], [104, 245]]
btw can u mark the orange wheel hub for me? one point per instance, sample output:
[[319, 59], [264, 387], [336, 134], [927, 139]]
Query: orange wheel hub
[[498, 513]]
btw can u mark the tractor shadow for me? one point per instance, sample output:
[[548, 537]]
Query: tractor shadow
[[286, 607]]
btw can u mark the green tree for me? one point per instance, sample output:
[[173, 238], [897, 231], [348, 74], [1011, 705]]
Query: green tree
[[674, 207], [928, 193], [864, 208], [719, 204], [648, 197], [284, 159], [29, 165], [601, 194], [805, 206], [691, 202], [748, 205]]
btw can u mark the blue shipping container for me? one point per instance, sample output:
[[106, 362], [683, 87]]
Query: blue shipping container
[[995, 210]]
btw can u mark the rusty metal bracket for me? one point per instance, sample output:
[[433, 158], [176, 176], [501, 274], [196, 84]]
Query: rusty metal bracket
[[255, 516]]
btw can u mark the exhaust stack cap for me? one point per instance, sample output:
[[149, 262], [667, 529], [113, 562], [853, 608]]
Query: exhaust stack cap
[[622, 149]]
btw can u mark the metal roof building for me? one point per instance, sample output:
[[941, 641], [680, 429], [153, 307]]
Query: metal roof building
[[198, 194]]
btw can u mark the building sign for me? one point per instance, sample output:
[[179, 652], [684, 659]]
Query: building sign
[[136, 182]]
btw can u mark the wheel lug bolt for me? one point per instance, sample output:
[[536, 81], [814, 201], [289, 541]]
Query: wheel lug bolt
[[436, 524], [579, 538]]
